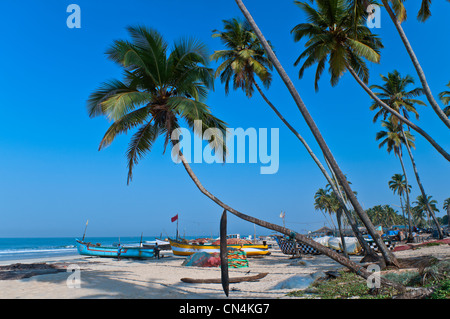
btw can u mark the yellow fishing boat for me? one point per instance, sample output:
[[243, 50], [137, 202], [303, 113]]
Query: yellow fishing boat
[[185, 249]]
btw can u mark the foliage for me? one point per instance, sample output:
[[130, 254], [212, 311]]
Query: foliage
[[244, 60], [159, 89], [348, 285], [385, 216], [333, 37]]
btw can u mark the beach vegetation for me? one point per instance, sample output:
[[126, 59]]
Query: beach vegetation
[[348, 285]]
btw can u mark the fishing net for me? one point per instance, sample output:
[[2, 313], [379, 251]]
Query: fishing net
[[236, 259]]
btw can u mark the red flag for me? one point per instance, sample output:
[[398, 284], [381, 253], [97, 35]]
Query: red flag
[[174, 218]]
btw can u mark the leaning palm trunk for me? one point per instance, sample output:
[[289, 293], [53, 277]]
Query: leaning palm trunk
[[359, 270], [396, 114], [408, 202], [417, 65], [364, 244], [387, 255], [430, 211]]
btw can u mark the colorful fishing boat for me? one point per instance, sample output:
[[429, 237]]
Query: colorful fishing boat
[[186, 249], [89, 249]]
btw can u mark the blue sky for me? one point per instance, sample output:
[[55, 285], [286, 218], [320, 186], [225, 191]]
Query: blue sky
[[52, 178]]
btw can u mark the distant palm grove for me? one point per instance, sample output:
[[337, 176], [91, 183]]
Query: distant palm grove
[[162, 89]]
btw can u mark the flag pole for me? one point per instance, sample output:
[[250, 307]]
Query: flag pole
[[84, 234]]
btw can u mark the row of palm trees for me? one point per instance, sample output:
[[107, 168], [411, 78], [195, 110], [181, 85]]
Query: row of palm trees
[[394, 137], [161, 88], [422, 205]]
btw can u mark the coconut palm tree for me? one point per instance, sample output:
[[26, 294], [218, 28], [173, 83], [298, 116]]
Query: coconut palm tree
[[320, 203], [394, 92], [389, 258], [398, 14], [446, 206], [329, 202], [243, 62], [159, 89], [333, 38], [393, 139], [398, 185], [421, 205]]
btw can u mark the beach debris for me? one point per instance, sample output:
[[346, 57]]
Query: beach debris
[[231, 280], [21, 271], [295, 282]]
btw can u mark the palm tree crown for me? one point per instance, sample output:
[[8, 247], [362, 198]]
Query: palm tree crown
[[243, 59], [394, 93], [392, 137], [159, 89], [398, 184], [334, 37]]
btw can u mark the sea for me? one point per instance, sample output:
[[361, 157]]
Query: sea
[[31, 248]]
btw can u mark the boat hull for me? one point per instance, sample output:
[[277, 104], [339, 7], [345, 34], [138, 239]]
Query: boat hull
[[88, 249], [182, 249]]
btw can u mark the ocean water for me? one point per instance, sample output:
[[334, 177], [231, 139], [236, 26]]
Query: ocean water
[[29, 248]]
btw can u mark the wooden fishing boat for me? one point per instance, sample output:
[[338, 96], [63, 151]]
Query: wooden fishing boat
[[185, 249], [89, 249], [163, 245]]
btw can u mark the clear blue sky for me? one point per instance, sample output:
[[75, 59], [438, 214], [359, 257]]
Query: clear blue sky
[[52, 178]]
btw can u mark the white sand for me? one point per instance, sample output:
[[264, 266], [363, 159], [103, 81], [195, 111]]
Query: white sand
[[110, 278]]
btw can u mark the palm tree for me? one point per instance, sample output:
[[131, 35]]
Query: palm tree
[[334, 38], [320, 203], [445, 98], [393, 139], [387, 255], [243, 62], [394, 92], [447, 207], [398, 14], [330, 203], [398, 185], [422, 204]]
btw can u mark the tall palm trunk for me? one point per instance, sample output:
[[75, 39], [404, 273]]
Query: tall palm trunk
[[424, 195], [339, 221], [408, 202], [417, 66], [387, 255], [398, 115], [403, 209], [364, 244], [359, 270]]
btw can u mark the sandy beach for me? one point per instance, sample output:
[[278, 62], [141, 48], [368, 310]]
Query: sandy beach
[[111, 278]]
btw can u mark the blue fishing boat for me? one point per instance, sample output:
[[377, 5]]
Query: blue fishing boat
[[89, 249]]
